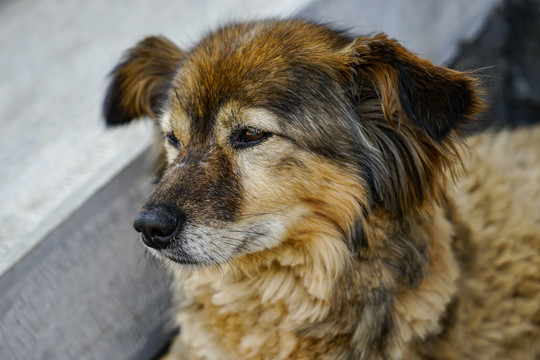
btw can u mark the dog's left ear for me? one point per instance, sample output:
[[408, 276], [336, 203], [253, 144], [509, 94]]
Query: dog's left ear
[[436, 99], [140, 82]]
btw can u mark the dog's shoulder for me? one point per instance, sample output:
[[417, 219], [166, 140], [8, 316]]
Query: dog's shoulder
[[499, 197]]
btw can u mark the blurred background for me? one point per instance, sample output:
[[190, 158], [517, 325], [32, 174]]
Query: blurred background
[[74, 283]]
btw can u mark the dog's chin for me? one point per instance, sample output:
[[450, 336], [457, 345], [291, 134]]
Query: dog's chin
[[182, 260], [179, 259]]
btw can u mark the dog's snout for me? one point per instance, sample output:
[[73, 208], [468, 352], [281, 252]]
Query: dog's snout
[[158, 226]]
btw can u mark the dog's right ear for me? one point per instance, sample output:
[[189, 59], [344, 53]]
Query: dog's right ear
[[140, 82]]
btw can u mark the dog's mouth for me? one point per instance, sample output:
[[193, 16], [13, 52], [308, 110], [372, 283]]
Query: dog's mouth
[[177, 257], [176, 254], [201, 245]]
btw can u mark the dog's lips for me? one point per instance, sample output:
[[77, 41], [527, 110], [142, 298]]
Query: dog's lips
[[181, 259], [167, 254], [178, 255]]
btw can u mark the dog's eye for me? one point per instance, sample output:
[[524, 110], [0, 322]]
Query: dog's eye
[[248, 137], [171, 139]]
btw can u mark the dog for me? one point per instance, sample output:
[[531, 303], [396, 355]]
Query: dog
[[321, 201]]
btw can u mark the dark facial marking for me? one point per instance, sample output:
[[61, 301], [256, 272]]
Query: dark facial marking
[[202, 182]]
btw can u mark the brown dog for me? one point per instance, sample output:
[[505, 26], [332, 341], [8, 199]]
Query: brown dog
[[311, 194]]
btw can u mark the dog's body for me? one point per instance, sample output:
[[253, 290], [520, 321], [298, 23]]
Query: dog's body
[[309, 194]]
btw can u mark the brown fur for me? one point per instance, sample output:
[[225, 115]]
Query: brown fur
[[347, 232]]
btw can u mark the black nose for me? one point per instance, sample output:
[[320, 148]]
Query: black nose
[[158, 226]]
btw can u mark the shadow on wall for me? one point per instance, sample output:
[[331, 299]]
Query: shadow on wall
[[507, 52]]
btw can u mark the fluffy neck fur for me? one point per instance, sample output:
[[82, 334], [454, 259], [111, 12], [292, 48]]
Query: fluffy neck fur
[[295, 301]]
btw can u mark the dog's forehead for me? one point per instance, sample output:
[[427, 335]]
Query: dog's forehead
[[254, 65]]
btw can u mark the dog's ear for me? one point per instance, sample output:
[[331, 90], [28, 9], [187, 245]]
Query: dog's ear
[[140, 82], [422, 106], [436, 99]]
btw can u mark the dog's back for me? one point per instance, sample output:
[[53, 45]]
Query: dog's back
[[499, 289]]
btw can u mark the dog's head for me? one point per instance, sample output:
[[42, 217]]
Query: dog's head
[[276, 131]]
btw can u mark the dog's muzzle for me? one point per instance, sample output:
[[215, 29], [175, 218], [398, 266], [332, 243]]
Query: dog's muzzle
[[158, 226]]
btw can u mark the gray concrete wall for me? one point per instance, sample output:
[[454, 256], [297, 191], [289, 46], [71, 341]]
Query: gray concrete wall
[[432, 28]]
